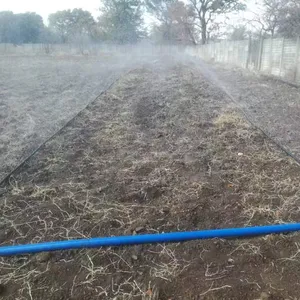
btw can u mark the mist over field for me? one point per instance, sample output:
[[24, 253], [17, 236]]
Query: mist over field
[[140, 117]]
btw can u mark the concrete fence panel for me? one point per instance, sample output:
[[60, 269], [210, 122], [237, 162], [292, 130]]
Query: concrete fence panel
[[278, 57]]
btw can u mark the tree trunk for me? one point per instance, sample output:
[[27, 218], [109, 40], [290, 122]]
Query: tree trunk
[[190, 34], [203, 33], [193, 39]]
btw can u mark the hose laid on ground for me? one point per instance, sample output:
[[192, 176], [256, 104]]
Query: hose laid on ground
[[148, 239]]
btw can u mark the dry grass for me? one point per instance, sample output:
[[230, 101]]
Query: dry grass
[[150, 164], [230, 119], [269, 190]]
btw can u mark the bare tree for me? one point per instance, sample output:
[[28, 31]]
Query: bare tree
[[205, 12], [279, 17], [182, 16], [121, 21], [176, 21], [271, 17]]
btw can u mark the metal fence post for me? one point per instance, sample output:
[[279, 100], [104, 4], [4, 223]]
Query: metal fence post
[[271, 56], [260, 54], [282, 56], [297, 58], [249, 52]]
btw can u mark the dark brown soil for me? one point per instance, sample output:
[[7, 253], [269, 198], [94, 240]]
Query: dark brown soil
[[161, 151], [39, 94], [272, 104]]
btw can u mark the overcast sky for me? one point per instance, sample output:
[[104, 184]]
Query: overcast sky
[[44, 8]]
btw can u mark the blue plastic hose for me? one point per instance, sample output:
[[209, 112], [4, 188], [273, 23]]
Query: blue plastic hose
[[148, 239]]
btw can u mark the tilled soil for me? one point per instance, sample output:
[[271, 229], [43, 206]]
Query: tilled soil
[[39, 94], [163, 150], [271, 104]]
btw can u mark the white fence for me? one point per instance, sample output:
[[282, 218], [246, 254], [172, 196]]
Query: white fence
[[61, 49], [278, 57], [141, 49]]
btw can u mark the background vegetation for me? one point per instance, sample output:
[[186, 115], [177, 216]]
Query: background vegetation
[[174, 22]]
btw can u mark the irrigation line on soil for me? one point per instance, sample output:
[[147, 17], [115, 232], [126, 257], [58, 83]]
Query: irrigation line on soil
[[249, 117], [209, 74], [129, 240], [7, 177]]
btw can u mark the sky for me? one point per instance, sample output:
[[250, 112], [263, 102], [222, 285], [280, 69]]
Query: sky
[[44, 8]]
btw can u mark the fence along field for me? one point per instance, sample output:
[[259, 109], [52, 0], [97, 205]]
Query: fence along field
[[278, 57], [57, 49], [86, 49], [156, 153]]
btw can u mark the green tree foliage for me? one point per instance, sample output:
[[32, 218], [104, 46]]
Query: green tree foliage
[[7, 28], [289, 19], [121, 21], [205, 12], [48, 36], [176, 22], [238, 33], [31, 26], [160, 9], [72, 24], [20, 28], [60, 22]]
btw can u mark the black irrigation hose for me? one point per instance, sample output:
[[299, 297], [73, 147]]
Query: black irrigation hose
[[4, 181]]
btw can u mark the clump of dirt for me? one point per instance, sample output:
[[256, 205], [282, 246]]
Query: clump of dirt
[[161, 151]]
